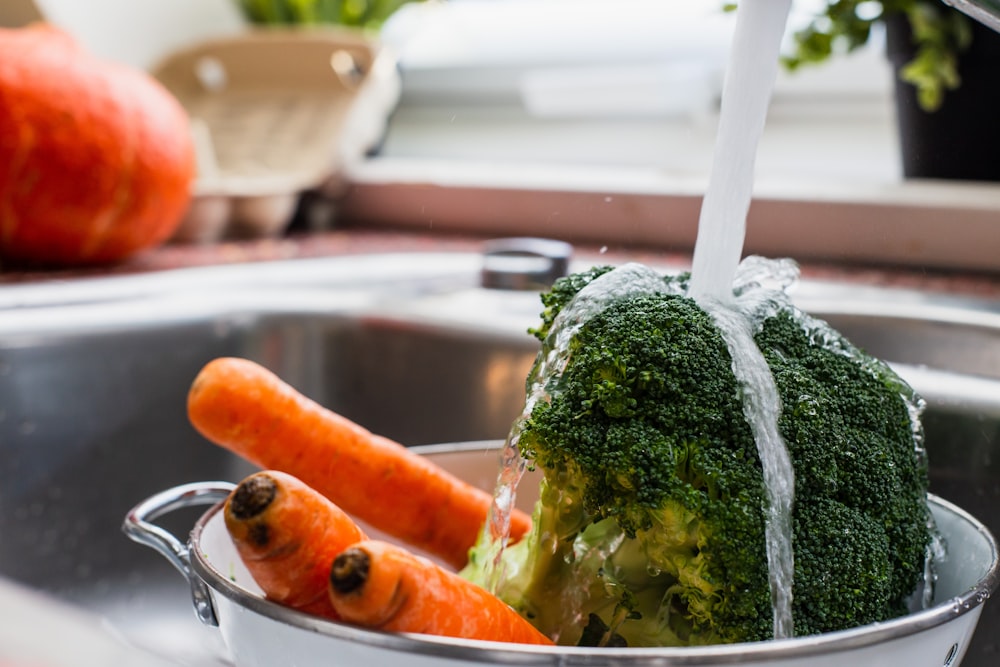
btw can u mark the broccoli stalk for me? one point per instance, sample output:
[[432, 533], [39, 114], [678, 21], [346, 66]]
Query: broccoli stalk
[[650, 526]]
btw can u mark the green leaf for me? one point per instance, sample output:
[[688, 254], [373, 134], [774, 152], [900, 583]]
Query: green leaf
[[940, 34], [369, 14]]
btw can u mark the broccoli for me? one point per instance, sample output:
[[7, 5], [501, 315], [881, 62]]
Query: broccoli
[[649, 529]]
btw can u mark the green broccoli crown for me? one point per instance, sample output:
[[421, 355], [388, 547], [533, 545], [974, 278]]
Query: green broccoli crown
[[653, 500], [861, 476]]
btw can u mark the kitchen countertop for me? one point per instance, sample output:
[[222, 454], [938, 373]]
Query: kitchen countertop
[[350, 241]]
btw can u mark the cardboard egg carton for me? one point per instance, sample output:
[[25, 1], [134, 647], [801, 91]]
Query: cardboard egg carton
[[275, 112]]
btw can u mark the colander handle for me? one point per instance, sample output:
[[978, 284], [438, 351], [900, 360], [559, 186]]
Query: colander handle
[[138, 526]]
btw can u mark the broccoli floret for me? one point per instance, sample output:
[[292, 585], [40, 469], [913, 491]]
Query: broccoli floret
[[650, 527]]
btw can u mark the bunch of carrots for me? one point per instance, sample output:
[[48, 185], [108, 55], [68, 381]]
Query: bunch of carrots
[[295, 526]]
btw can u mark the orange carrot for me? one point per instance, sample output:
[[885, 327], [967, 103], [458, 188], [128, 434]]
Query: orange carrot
[[242, 406], [383, 586], [286, 534]]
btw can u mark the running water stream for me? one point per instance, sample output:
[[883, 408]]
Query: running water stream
[[746, 94], [750, 76], [762, 407]]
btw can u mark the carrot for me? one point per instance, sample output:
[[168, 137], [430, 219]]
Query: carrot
[[245, 408], [383, 586], [286, 534]]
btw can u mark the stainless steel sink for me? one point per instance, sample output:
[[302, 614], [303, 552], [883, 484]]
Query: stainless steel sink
[[94, 375]]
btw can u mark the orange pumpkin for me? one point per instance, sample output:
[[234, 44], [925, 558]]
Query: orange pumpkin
[[96, 158]]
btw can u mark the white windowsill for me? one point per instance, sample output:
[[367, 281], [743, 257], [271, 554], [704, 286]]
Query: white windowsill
[[828, 186]]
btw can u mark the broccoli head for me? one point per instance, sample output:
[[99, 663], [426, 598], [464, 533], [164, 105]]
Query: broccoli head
[[650, 527]]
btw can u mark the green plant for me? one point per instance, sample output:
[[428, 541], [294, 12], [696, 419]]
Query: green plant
[[650, 528], [940, 34], [369, 14]]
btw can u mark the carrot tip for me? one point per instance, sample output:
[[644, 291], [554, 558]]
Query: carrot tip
[[350, 570], [252, 497]]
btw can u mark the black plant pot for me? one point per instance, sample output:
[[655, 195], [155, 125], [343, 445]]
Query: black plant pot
[[961, 139]]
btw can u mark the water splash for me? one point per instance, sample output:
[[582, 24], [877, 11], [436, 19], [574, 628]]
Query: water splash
[[746, 95], [937, 552], [775, 275], [628, 280]]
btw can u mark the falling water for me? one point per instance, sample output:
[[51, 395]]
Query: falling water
[[761, 406], [746, 94]]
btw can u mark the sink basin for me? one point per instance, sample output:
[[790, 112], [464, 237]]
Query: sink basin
[[94, 376]]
